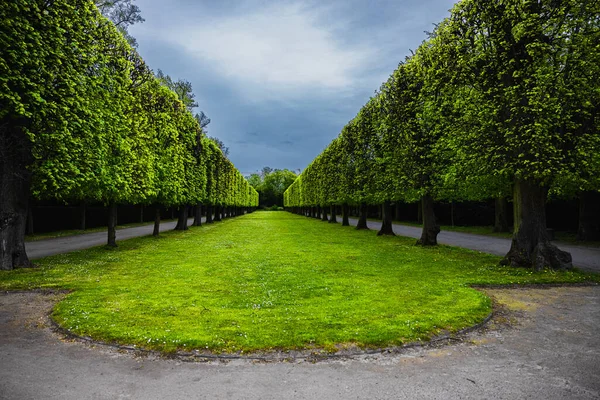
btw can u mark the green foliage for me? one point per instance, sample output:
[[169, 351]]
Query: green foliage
[[501, 91], [271, 281], [532, 71], [271, 184], [182, 88], [94, 122]]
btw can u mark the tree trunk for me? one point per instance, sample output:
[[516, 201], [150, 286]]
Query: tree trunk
[[217, 217], [182, 219], [209, 214], [345, 212], [29, 230], [501, 212], [156, 221], [197, 215], [112, 225], [386, 220], [324, 214], [82, 214], [333, 218], [14, 196], [589, 216], [430, 225], [362, 217], [530, 245]]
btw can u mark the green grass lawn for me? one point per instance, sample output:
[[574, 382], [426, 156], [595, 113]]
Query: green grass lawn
[[271, 280]]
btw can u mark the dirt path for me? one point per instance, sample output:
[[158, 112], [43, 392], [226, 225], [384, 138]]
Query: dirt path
[[544, 345]]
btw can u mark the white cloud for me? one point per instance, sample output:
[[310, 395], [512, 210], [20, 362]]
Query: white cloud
[[281, 47]]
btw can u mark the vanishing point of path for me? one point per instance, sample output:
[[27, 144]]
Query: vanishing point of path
[[544, 345], [586, 258]]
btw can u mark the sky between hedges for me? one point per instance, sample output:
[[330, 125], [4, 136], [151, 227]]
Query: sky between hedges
[[279, 79]]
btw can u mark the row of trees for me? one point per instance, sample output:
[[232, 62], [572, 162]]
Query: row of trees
[[503, 97], [82, 118]]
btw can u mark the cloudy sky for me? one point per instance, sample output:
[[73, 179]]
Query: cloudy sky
[[279, 79]]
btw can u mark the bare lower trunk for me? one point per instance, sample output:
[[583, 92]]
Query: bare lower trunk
[[530, 245], [112, 225], [430, 225], [501, 212], [12, 240], [345, 212], [362, 217], [386, 220], [182, 219], [589, 216], [14, 196], [217, 217], [82, 213], [156, 221], [197, 215], [209, 214], [324, 214], [333, 218]]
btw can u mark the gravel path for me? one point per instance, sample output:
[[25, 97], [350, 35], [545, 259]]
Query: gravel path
[[549, 350], [585, 258], [66, 244]]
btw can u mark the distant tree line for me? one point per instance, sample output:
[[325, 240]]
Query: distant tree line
[[271, 184], [503, 99], [82, 118]]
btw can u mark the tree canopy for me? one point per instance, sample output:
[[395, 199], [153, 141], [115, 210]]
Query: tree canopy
[[502, 96], [83, 118]]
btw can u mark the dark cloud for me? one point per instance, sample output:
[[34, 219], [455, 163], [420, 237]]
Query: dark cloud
[[280, 79]]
